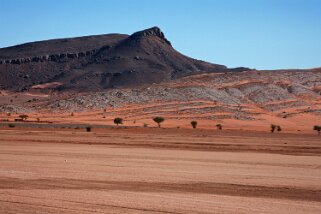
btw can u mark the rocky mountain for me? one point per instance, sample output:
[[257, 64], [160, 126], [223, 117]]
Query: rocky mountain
[[94, 63], [144, 74]]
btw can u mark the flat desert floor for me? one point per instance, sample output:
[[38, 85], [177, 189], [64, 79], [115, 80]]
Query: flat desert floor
[[150, 170]]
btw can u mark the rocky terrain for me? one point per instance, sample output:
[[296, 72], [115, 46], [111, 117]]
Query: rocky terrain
[[238, 95], [98, 62], [141, 75], [62, 153]]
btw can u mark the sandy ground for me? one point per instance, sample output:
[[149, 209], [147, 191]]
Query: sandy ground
[[302, 123], [149, 170]]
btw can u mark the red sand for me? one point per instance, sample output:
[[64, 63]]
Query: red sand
[[151, 170]]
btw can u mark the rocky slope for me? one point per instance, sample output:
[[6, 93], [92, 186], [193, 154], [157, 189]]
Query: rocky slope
[[249, 95], [100, 62], [142, 75]]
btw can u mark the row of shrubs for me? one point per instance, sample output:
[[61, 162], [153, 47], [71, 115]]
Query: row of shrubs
[[159, 120], [194, 124]]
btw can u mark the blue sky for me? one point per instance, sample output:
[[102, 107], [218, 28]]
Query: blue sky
[[262, 34]]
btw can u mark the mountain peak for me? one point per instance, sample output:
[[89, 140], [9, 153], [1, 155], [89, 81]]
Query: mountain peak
[[154, 31], [97, 62]]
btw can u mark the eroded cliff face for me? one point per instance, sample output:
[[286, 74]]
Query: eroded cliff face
[[59, 57], [154, 31]]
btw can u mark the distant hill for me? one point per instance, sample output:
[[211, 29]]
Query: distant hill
[[144, 70], [94, 63]]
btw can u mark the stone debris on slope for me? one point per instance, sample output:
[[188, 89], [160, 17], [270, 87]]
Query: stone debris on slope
[[207, 95]]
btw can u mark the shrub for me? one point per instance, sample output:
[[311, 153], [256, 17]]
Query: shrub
[[72, 114], [88, 129], [317, 128], [11, 125], [23, 116], [219, 126], [158, 120], [38, 119], [273, 127], [194, 124], [145, 125], [8, 114], [118, 121]]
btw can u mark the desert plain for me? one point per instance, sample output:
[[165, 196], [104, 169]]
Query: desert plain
[[60, 151], [158, 170]]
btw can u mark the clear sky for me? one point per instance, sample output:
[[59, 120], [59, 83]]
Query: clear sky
[[262, 34]]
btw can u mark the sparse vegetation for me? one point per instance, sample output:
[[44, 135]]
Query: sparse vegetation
[[275, 127], [118, 121], [158, 120], [317, 128], [219, 126], [194, 124], [23, 117]]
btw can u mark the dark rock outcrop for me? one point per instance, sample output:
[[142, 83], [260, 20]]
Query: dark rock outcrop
[[98, 62], [45, 58], [154, 31]]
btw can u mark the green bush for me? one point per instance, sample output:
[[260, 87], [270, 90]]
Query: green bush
[[194, 124], [158, 120], [23, 116], [275, 127], [317, 128], [118, 121]]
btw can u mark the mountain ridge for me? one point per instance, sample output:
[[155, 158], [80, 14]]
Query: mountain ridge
[[98, 62]]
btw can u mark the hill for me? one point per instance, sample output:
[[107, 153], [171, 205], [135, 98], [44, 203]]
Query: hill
[[94, 63], [141, 75]]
